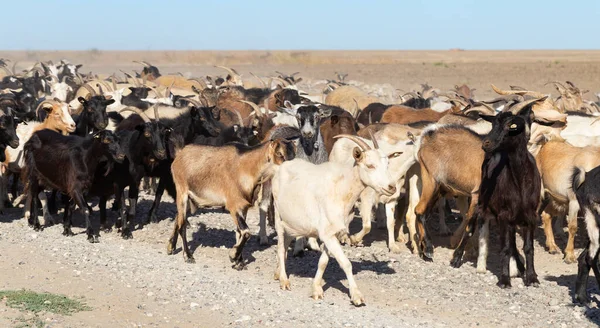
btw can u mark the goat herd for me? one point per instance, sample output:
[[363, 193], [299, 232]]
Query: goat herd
[[307, 160]]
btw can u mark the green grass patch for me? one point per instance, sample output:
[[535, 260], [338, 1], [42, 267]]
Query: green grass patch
[[27, 300]]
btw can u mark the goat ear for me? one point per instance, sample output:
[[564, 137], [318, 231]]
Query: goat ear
[[78, 66], [489, 118], [527, 113], [334, 120], [82, 100], [325, 112], [358, 154], [110, 102]]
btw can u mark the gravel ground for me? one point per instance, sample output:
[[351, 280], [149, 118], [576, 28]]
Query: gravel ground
[[134, 282]]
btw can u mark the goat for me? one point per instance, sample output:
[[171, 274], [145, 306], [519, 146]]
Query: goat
[[58, 117], [93, 117], [393, 139], [348, 96], [509, 192], [339, 122], [202, 180], [317, 200], [585, 185], [77, 159]]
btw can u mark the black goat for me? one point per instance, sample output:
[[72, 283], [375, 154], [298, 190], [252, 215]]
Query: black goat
[[77, 159], [134, 99], [509, 191], [587, 190], [93, 117], [8, 132], [372, 113]]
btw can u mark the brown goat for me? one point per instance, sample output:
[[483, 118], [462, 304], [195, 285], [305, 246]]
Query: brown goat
[[407, 115], [340, 122], [201, 179]]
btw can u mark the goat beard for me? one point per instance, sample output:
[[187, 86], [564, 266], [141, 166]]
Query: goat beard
[[309, 145], [493, 163]]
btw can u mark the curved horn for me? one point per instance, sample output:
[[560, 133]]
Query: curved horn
[[284, 82], [358, 110], [228, 69], [413, 94], [261, 80], [480, 108], [254, 106], [239, 116], [100, 88], [195, 102], [8, 72], [156, 117], [106, 85], [202, 83], [137, 111], [89, 89], [370, 118], [561, 88], [142, 63], [135, 81], [41, 105], [373, 138], [515, 109], [361, 143], [168, 90], [14, 66], [79, 78], [155, 92]]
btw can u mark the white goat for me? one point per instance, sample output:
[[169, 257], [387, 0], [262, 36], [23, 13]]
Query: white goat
[[393, 139], [317, 201]]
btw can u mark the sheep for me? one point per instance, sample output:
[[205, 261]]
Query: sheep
[[393, 138], [509, 192], [585, 185], [77, 157], [317, 201], [345, 97], [201, 179]]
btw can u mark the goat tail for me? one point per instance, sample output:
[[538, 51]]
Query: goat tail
[[577, 178]]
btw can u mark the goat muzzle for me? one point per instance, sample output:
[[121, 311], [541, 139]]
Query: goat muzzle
[[14, 144], [161, 154], [390, 190]]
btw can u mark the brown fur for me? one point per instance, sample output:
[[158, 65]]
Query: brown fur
[[179, 82], [334, 125], [344, 97], [228, 102], [53, 120], [407, 115], [450, 158], [556, 161], [201, 177]]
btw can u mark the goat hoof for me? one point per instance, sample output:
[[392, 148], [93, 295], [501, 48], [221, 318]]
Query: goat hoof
[[189, 259], [284, 284], [456, 262], [428, 257], [93, 239], [582, 299], [263, 241], [553, 249], [394, 248], [152, 218], [126, 234], [504, 283], [38, 227], [570, 258], [532, 281], [317, 292], [357, 298], [106, 229], [239, 266], [68, 233]]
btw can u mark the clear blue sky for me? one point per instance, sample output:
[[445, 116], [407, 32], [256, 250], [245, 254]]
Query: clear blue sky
[[304, 24]]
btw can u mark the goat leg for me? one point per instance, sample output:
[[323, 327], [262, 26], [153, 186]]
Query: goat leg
[[505, 252], [102, 205], [160, 189], [81, 202], [531, 278], [424, 242], [583, 272], [457, 257], [69, 206], [242, 234]]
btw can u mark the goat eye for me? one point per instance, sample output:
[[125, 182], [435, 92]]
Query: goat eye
[[147, 134], [370, 167]]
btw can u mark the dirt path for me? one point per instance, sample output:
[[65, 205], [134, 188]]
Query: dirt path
[[134, 282]]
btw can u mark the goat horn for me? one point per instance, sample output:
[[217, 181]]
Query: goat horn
[[361, 143], [168, 90], [358, 110], [480, 109], [114, 82], [14, 72], [100, 88], [135, 81], [370, 118], [6, 70], [106, 85], [515, 109], [156, 117], [137, 111], [90, 89], [65, 77], [254, 106], [202, 83], [285, 83], [79, 78], [155, 92], [195, 102], [239, 116], [41, 105], [556, 84], [142, 63], [261, 80], [373, 138], [413, 94], [228, 69]]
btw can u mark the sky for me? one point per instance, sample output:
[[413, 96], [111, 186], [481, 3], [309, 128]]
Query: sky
[[305, 25]]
